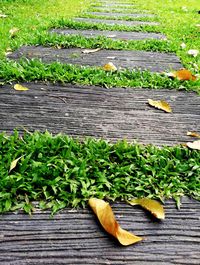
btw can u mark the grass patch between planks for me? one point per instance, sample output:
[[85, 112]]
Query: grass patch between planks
[[59, 171]]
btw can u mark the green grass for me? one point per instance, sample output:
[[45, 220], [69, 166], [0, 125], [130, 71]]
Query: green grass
[[58, 171]]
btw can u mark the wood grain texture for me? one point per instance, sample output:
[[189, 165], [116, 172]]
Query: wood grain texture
[[103, 113], [141, 60], [116, 22], [75, 237], [118, 15], [114, 35]]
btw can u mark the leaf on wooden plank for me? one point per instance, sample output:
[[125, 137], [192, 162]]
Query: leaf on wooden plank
[[87, 51], [182, 75], [194, 145], [107, 219], [13, 32], [193, 53], [3, 16], [193, 134], [19, 87], [109, 67], [14, 163], [160, 104], [151, 205]]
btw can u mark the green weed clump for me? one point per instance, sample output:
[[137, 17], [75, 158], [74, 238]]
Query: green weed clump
[[59, 171]]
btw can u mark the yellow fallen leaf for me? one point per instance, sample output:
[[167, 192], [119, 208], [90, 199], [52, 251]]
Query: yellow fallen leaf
[[107, 219], [109, 67], [193, 134], [19, 87], [182, 75], [194, 145], [160, 104], [87, 51], [13, 32], [14, 163], [151, 205]]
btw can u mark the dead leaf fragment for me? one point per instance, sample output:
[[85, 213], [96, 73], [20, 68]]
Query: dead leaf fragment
[[182, 75], [3, 16], [109, 67], [19, 87], [193, 53], [107, 219], [13, 32], [87, 51], [14, 163], [160, 104], [151, 205], [193, 134], [194, 145]]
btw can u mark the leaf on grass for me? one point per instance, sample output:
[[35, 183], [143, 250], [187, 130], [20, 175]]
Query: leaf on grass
[[14, 163], [193, 53], [183, 45], [87, 51], [19, 87], [194, 145], [151, 205], [109, 67], [193, 134], [182, 75], [160, 104], [107, 219], [13, 32], [3, 16]]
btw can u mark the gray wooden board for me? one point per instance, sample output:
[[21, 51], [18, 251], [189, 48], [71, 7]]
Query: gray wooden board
[[111, 114], [114, 8], [114, 35], [152, 61], [117, 15], [76, 237], [121, 5], [115, 22]]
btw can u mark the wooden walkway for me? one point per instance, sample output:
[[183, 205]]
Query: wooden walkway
[[75, 237]]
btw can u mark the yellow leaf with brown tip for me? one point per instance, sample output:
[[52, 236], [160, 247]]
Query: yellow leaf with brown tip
[[193, 134], [151, 205], [107, 219], [160, 104], [19, 87], [194, 145]]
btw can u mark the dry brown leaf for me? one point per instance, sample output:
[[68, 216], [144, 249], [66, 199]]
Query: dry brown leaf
[[87, 51], [193, 134], [107, 219], [184, 75], [14, 163], [160, 104], [19, 87], [109, 67], [13, 32], [151, 205], [194, 145]]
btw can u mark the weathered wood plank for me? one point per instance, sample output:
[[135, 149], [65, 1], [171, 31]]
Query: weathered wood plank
[[75, 237], [93, 111], [119, 15], [152, 61], [116, 22], [115, 35], [114, 8]]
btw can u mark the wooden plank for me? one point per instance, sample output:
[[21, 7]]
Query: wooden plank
[[114, 35], [116, 22], [114, 8], [152, 61], [119, 15], [75, 237], [111, 114]]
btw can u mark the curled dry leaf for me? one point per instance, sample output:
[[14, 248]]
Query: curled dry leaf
[[13, 32], [160, 104], [14, 163], [19, 87], [194, 145], [193, 53], [107, 219], [193, 134], [182, 75], [87, 51], [151, 205], [109, 67]]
